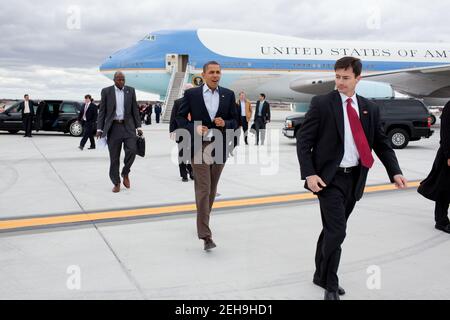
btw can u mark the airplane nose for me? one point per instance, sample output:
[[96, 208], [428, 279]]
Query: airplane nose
[[125, 58]]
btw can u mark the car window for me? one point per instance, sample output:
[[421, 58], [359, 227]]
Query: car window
[[78, 107], [405, 107], [68, 108], [14, 108], [8, 104]]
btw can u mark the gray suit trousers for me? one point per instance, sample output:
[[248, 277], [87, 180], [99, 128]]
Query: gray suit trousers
[[117, 136]]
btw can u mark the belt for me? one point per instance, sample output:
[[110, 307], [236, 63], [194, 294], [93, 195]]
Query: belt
[[346, 170], [118, 121]]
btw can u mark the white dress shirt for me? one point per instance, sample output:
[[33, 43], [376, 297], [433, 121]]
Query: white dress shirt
[[120, 106], [26, 107], [351, 155], [212, 100], [243, 105], [86, 106], [120, 103], [261, 105]]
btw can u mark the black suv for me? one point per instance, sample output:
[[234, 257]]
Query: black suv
[[403, 120], [50, 115]]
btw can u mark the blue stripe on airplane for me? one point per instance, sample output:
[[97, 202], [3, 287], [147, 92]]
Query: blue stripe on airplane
[[151, 54]]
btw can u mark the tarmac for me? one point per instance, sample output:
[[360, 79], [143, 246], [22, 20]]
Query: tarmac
[[65, 235]]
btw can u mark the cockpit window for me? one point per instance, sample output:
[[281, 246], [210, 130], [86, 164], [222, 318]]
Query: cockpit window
[[150, 37]]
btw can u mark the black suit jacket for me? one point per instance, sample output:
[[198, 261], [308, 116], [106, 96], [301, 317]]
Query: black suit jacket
[[320, 140], [31, 103], [238, 114], [445, 130], [173, 115], [91, 114], [265, 111], [436, 186], [107, 110], [194, 104]]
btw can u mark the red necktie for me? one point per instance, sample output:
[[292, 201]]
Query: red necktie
[[365, 155]]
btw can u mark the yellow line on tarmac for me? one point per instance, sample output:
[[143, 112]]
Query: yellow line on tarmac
[[20, 223]]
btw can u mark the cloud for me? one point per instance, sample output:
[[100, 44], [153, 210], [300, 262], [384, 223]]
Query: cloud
[[57, 46]]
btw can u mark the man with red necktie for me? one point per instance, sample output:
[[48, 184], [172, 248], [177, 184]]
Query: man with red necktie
[[334, 148]]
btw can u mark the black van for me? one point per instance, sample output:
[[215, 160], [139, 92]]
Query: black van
[[403, 120], [50, 115]]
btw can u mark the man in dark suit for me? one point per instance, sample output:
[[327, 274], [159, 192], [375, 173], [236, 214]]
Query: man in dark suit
[[436, 186], [262, 117], [88, 118], [334, 150], [118, 120], [213, 121], [158, 111], [184, 164], [26, 107], [148, 114]]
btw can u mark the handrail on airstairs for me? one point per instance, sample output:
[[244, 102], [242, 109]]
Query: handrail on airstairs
[[180, 89], [169, 88], [185, 79]]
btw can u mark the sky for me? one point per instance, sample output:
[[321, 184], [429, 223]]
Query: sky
[[52, 49]]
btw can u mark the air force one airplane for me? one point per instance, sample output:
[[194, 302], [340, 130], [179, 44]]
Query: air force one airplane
[[287, 68]]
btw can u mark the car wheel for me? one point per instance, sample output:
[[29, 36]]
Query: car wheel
[[433, 119], [399, 138], [13, 131], [76, 129]]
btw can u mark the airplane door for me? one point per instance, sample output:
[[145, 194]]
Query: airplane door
[[171, 62], [183, 61], [177, 62]]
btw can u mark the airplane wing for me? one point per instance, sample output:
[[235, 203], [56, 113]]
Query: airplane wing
[[432, 82]]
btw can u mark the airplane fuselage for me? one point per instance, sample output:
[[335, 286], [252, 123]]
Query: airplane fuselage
[[257, 62]]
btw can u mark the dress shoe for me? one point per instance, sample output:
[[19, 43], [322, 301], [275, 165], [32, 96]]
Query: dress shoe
[[81, 148], [341, 290], [91, 148], [445, 228], [209, 244], [116, 188], [331, 295], [191, 175], [185, 180], [126, 181]]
